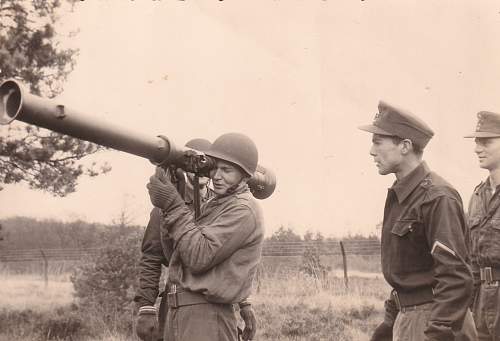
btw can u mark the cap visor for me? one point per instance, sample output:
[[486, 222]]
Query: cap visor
[[374, 130], [482, 134]]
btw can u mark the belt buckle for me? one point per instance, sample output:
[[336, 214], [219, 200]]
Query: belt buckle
[[488, 275], [409, 308], [172, 299]]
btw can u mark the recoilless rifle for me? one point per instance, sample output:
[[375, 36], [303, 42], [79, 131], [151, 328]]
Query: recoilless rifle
[[18, 104]]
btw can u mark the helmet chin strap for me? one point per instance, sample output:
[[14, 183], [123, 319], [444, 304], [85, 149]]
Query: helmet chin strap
[[234, 188]]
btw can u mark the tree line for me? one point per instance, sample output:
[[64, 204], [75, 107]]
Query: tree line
[[19, 233], [287, 234]]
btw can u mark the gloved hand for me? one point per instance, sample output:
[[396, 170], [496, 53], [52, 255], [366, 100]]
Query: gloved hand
[[391, 312], [248, 316], [162, 192], [146, 325], [383, 332]]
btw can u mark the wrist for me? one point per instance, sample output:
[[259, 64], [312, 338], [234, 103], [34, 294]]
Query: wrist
[[245, 303], [174, 202]]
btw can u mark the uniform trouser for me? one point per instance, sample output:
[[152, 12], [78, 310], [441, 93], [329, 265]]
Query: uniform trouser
[[411, 324], [486, 311], [201, 322]]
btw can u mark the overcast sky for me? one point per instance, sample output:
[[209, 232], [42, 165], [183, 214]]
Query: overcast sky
[[298, 77]]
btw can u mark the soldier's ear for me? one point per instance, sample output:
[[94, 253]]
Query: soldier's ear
[[245, 178], [407, 146]]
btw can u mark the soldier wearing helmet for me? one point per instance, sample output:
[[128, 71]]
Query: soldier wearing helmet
[[214, 258]]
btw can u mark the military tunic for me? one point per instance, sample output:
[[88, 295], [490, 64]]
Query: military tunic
[[424, 253], [484, 224], [215, 256], [218, 254]]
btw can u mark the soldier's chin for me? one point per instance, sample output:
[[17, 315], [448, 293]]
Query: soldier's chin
[[383, 171], [482, 163], [219, 190]]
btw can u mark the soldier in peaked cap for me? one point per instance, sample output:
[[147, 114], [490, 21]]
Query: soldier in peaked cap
[[484, 224], [424, 249]]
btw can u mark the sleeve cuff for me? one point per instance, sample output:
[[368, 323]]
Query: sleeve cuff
[[147, 310], [246, 302]]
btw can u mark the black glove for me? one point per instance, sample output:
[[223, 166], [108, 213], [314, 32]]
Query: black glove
[[391, 312], [146, 326], [162, 192], [248, 316], [383, 332]]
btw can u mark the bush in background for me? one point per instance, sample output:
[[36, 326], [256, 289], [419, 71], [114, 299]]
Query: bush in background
[[105, 285]]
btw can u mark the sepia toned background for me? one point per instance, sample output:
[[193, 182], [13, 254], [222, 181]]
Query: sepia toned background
[[298, 77]]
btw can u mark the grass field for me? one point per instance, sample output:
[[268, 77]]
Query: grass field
[[290, 305]]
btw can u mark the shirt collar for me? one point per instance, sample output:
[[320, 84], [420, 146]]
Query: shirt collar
[[406, 185], [485, 186]]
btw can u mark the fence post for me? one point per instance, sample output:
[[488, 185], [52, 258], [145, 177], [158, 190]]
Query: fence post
[[45, 269], [344, 261], [258, 276]]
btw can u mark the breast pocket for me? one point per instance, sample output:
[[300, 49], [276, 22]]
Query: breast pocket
[[485, 241], [495, 223], [474, 223], [402, 227], [409, 246]]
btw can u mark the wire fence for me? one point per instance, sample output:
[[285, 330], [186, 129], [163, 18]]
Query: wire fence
[[351, 247], [270, 249], [9, 256]]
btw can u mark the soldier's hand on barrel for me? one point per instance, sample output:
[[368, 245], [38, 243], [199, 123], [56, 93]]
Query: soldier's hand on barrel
[[248, 316], [162, 175], [162, 192]]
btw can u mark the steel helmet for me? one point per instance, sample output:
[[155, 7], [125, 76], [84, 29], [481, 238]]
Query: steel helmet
[[201, 145], [238, 149]]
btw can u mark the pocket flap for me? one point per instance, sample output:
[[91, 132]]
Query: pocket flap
[[495, 223], [402, 227]]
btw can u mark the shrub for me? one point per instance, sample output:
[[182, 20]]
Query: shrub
[[62, 324], [313, 323], [312, 265], [106, 283]]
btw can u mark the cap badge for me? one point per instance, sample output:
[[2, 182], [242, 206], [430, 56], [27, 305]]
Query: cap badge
[[480, 120], [378, 116]]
